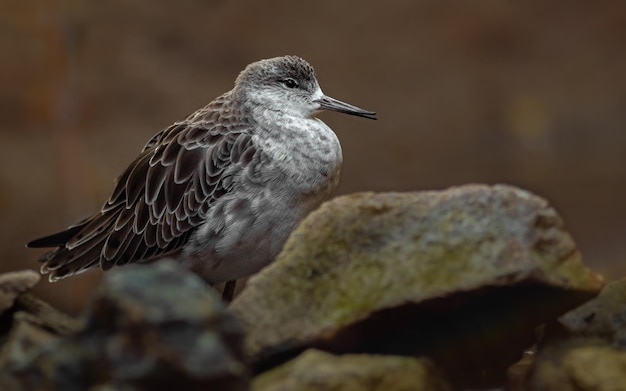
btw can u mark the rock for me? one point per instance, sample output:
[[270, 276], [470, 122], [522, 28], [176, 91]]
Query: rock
[[42, 314], [463, 276], [317, 370], [603, 316], [579, 365], [12, 284], [519, 373], [27, 324], [149, 327], [24, 338], [586, 349]]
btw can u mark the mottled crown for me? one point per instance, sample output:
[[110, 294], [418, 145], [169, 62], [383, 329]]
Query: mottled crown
[[273, 69]]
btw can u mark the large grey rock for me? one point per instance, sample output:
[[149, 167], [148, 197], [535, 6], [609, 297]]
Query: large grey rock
[[315, 370], [149, 327], [463, 275]]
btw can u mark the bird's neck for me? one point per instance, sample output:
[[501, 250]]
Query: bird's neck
[[305, 149]]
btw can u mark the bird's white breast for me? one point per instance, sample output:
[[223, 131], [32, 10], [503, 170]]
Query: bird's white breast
[[305, 150]]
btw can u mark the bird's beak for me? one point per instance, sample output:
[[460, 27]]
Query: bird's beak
[[328, 103]]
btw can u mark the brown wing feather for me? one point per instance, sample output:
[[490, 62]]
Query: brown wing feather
[[161, 198]]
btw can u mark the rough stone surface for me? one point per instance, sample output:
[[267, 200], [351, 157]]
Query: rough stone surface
[[463, 275], [38, 312], [321, 371], [519, 373], [603, 316], [579, 365], [12, 284], [23, 339], [148, 328], [586, 348]]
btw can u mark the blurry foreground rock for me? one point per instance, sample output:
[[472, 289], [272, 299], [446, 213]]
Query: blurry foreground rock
[[314, 370], [13, 284], [586, 349], [148, 328], [462, 276], [25, 321], [579, 365], [603, 317]]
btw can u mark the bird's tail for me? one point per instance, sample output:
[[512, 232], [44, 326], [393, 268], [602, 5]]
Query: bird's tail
[[78, 248], [55, 240]]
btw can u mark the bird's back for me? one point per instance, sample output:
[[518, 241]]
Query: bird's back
[[161, 198]]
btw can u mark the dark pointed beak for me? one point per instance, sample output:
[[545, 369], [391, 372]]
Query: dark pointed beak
[[328, 103]]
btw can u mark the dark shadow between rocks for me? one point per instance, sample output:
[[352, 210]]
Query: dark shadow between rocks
[[473, 336]]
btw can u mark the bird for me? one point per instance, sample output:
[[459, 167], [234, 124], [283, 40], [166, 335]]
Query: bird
[[221, 190]]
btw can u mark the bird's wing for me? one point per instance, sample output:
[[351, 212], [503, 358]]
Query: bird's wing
[[158, 201]]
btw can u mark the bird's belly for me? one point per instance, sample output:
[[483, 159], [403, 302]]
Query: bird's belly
[[247, 237]]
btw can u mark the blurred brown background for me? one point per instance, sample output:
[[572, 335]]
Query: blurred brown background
[[527, 93]]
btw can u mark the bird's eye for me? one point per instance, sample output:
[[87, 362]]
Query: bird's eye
[[290, 83]]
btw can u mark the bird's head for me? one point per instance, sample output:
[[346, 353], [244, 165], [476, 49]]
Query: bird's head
[[288, 85]]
